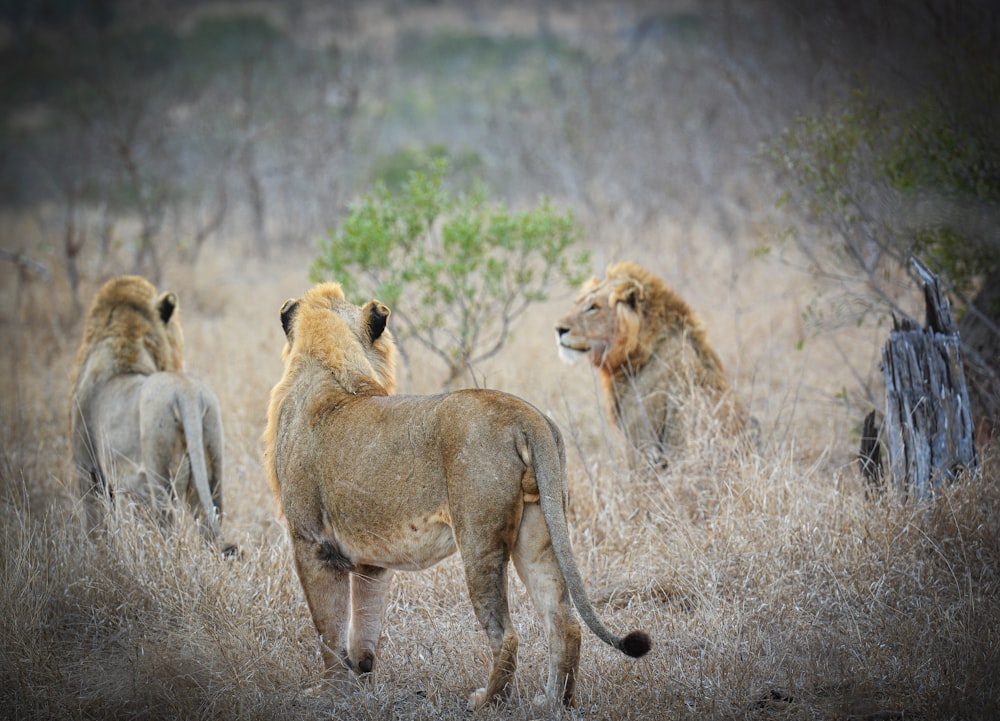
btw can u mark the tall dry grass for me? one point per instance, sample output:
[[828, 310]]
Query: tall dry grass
[[771, 586]]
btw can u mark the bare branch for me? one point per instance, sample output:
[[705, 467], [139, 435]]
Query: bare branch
[[25, 263]]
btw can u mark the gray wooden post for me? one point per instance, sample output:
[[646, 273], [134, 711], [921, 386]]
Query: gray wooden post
[[928, 429]]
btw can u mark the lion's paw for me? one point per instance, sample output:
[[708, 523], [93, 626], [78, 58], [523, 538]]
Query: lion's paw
[[477, 699]]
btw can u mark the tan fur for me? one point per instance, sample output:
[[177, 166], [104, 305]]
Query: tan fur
[[653, 357], [372, 482], [139, 424]]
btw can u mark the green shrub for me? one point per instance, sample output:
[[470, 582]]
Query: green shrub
[[456, 269], [395, 168], [893, 180]]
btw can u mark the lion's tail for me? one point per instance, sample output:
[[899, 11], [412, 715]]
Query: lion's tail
[[192, 412], [548, 457]]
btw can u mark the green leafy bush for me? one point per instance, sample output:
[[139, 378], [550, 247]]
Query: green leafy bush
[[456, 269], [894, 180], [395, 168]]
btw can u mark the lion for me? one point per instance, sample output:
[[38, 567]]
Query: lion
[[653, 357], [139, 425], [370, 483]]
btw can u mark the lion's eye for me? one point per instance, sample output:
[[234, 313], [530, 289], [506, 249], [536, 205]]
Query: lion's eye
[[592, 308]]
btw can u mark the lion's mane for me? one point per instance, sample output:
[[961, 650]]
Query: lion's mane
[[124, 332], [652, 353]]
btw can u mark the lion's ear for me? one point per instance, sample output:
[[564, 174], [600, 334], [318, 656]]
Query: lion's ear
[[288, 309], [378, 316], [166, 304], [631, 293]]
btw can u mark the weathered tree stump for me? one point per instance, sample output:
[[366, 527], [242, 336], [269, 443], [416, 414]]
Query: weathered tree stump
[[928, 430], [870, 457]]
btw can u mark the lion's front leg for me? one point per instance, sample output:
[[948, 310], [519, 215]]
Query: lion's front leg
[[325, 579], [369, 595]]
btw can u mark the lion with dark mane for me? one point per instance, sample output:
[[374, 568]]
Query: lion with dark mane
[[371, 482], [141, 426], [654, 360]]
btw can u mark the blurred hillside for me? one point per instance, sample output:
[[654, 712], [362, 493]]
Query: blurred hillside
[[200, 120]]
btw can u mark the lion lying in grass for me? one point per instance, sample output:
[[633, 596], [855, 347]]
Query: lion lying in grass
[[655, 362], [139, 425], [371, 483]]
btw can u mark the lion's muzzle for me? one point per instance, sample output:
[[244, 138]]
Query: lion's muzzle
[[569, 350]]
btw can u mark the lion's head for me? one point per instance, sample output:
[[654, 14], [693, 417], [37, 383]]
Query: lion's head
[[352, 341], [617, 322], [129, 329]]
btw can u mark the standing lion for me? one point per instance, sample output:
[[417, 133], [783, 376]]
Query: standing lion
[[139, 425], [656, 365], [371, 482]]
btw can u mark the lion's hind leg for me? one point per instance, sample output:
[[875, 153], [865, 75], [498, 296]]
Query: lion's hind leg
[[535, 562], [96, 496], [486, 577], [369, 595], [325, 577]]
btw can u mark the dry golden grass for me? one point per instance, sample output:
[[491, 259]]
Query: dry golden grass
[[771, 587]]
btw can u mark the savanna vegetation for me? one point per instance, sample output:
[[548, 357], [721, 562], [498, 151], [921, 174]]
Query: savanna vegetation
[[758, 156]]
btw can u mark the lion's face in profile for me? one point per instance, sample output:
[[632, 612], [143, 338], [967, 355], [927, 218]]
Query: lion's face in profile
[[604, 322]]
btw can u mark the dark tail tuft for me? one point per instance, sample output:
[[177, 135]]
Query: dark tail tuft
[[635, 644]]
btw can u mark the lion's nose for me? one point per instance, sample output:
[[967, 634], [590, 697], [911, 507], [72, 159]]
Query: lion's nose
[[561, 330]]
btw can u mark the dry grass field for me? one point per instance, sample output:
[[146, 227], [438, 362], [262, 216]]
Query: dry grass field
[[771, 587]]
